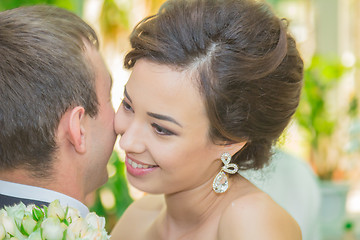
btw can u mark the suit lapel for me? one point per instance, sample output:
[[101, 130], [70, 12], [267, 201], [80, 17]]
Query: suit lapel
[[10, 201]]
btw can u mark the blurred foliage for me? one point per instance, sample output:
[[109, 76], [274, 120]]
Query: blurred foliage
[[72, 5], [114, 18], [275, 3], [153, 6], [314, 114], [117, 185], [117, 20]]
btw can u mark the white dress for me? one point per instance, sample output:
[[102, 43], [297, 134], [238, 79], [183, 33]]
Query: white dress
[[293, 185]]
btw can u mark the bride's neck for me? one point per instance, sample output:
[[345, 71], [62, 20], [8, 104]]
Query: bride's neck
[[194, 206], [185, 213]]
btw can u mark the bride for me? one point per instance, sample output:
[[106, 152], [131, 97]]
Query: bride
[[213, 85]]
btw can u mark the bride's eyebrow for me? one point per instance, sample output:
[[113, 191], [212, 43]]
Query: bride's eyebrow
[[154, 115], [127, 95], [163, 117]]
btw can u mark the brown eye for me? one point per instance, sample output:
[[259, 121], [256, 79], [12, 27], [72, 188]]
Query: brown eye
[[126, 106], [161, 131]]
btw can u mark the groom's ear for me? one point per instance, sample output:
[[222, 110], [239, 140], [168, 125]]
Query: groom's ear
[[76, 130]]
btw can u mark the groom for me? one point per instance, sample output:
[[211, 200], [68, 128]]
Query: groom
[[56, 116]]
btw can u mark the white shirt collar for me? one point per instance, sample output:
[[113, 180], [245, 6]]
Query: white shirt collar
[[41, 194]]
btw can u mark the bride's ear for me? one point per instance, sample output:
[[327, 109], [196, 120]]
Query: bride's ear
[[233, 148], [76, 129]]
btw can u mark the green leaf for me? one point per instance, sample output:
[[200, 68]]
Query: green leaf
[[65, 218], [37, 213], [38, 224], [64, 235], [46, 211], [23, 231]]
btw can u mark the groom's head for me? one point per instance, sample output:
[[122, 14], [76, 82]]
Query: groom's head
[[54, 96]]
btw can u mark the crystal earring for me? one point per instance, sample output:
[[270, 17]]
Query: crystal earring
[[220, 183]]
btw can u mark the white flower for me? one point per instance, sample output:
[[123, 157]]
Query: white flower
[[8, 224], [29, 208], [29, 224], [56, 210], [95, 221], [70, 235], [3, 212], [53, 229], [91, 228], [77, 228], [35, 235], [16, 211], [2, 232], [96, 228], [49, 223], [72, 215], [96, 234]]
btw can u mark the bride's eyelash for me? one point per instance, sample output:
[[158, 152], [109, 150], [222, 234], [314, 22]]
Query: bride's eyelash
[[162, 131], [157, 128], [126, 106]]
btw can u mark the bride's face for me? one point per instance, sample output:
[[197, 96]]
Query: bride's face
[[164, 131]]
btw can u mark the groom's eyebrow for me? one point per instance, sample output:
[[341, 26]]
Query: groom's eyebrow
[[127, 95]]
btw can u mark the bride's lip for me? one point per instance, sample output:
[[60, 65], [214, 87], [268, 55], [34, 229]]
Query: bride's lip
[[137, 168]]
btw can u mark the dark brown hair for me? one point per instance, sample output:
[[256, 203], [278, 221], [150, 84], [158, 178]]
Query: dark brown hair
[[248, 69], [44, 71]]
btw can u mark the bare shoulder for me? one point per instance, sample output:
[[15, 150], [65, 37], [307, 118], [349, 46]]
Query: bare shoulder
[[145, 209], [257, 216]]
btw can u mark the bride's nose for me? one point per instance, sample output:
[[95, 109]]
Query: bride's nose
[[132, 140], [132, 134]]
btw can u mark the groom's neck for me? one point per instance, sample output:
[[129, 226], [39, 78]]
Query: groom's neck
[[66, 186]]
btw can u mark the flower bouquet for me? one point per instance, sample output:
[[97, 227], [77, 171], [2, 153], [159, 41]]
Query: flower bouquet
[[50, 223]]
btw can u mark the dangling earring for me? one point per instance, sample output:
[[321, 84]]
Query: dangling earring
[[220, 183]]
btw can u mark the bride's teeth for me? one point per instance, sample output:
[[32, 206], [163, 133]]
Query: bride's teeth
[[137, 165]]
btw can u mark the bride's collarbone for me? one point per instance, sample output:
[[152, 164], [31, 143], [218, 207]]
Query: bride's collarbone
[[161, 229]]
